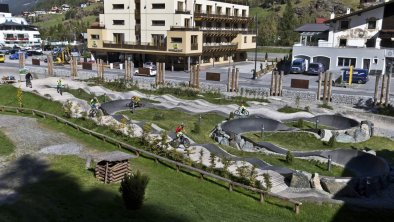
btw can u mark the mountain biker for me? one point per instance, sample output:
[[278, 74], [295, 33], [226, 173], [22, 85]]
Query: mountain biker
[[136, 100], [242, 108], [93, 103], [59, 86], [179, 130], [28, 78]]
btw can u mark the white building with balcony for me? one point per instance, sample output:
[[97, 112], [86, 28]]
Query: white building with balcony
[[179, 32], [364, 39], [16, 31]]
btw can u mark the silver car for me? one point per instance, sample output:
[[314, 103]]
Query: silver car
[[315, 68]]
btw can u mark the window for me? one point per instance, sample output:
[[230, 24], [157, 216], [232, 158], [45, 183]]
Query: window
[[342, 42], [209, 9], [118, 22], [245, 39], [176, 40], [342, 61], [372, 24], [158, 6], [158, 22], [218, 10], [375, 60], [253, 39], [36, 36], [197, 9], [243, 13], [370, 43], [194, 39], [228, 11], [95, 36], [344, 24], [117, 6], [236, 12], [217, 59]]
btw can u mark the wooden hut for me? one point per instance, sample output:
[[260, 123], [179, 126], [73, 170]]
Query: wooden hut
[[112, 166]]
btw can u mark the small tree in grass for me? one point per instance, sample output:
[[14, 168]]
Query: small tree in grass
[[197, 128], [332, 141], [289, 157], [231, 116], [67, 109], [300, 123], [19, 96], [132, 189]]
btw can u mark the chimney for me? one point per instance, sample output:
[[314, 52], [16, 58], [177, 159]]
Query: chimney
[[332, 15], [347, 11]]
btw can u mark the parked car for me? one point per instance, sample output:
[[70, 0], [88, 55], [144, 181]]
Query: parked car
[[16, 56], [2, 58], [316, 68], [139, 72], [298, 66], [149, 65], [359, 76]]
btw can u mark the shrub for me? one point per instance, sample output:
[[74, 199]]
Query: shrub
[[307, 108], [212, 158], [300, 123], [231, 116], [158, 116], [289, 157], [67, 109], [197, 128], [132, 189], [297, 101], [332, 141], [267, 181]]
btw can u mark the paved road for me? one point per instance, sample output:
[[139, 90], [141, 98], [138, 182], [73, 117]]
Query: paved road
[[245, 79]]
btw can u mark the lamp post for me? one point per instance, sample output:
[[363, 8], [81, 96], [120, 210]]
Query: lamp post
[[317, 121], [262, 131], [255, 52]]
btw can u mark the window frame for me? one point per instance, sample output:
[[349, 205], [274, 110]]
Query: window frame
[[157, 5], [341, 26], [346, 61], [158, 22], [118, 22], [115, 8]]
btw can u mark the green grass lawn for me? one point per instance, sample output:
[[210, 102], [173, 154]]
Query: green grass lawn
[[306, 125], [301, 141], [298, 164], [289, 109], [6, 147], [81, 94], [170, 119]]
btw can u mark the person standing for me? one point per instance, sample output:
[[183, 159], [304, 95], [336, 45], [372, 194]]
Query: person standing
[[28, 79]]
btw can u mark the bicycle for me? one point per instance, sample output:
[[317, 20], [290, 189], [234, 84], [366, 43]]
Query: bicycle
[[180, 140], [59, 89], [238, 112], [28, 83], [93, 112], [132, 105]]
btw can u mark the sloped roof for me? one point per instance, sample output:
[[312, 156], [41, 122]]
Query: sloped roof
[[360, 11], [313, 28]]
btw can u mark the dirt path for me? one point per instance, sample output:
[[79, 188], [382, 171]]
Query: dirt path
[[27, 162]]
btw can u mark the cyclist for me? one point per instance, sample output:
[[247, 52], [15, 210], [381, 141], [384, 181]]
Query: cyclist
[[179, 130], [59, 86], [28, 78], [135, 100], [93, 103], [242, 108]]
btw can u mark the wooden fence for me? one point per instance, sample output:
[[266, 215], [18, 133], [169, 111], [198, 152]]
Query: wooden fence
[[179, 166]]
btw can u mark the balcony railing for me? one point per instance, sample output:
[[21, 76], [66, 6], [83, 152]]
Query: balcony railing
[[225, 31], [183, 28], [194, 47], [134, 45], [208, 16], [182, 11], [218, 47]]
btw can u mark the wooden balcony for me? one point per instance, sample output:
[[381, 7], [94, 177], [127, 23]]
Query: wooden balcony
[[136, 46], [219, 47], [184, 28], [210, 17], [224, 32]]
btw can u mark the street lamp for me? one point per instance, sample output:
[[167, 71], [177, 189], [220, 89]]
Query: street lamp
[[317, 121], [255, 52], [262, 131]]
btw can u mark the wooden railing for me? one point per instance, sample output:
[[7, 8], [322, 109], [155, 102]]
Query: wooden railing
[[128, 45], [179, 166]]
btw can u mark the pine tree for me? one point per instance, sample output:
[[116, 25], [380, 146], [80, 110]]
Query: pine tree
[[286, 26]]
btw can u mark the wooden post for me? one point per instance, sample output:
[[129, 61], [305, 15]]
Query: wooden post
[[297, 208], [198, 76], [158, 71], [383, 90], [277, 77], [106, 172], [325, 87], [137, 153], [375, 98], [177, 168], [163, 72], [229, 80], [329, 94], [262, 197], [319, 86], [230, 187], [236, 79], [281, 82], [233, 79], [272, 83], [388, 89]]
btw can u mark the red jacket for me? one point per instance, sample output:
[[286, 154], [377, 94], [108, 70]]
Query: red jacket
[[178, 129]]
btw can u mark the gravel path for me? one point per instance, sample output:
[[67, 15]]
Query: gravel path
[[27, 162]]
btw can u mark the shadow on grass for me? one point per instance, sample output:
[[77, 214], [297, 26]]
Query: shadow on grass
[[48, 195]]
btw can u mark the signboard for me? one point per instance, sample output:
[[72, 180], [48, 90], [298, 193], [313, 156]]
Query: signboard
[[212, 76], [87, 65], [35, 62], [299, 83]]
